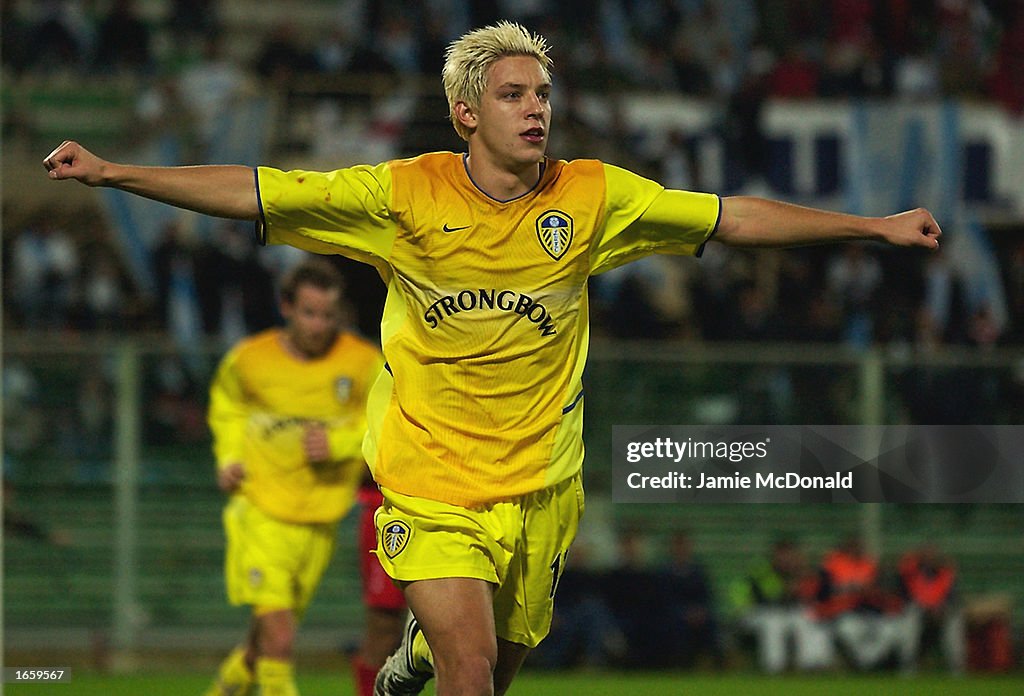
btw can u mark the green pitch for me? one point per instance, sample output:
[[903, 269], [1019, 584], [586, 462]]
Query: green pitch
[[571, 684]]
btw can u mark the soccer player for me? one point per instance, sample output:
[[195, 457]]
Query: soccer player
[[475, 426], [287, 411]]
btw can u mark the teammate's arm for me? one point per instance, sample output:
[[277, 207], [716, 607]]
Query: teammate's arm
[[337, 443], [227, 191], [750, 221], [227, 417], [343, 439], [230, 476]]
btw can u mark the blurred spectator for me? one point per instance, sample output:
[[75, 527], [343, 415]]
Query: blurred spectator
[[24, 420], [795, 75], [584, 632], [853, 61], [774, 605], [400, 43], [983, 328], [656, 72], [15, 49], [854, 279], [943, 310], [645, 299], [617, 138], [85, 426], [104, 301], [719, 272], [805, 311], [170, 253], [692, 77], [754, 318], [639, 599], [234, 289], [903, 25], [368, 60], [743, 132], [735, 54], [572, 135], [1005, 84], [282, 57], [961, 45], [928, 584], [680, 164], [916, 75], [926, 388], [436, 35], [706, 32], [192, 19], [692, 617], [946, 317], [61, 27], [865, 617], [176, 413], [783, 23], [851, 20], [209, 86], [334, 50], [162, 116], [846, 575], [45, 263], [123, 40]]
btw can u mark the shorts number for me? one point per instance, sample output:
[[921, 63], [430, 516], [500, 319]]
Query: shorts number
[[556, 572]]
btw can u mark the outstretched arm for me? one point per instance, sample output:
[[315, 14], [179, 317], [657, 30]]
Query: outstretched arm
[[227, 191], [749, 221]]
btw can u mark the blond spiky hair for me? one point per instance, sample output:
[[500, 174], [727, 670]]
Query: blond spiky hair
[[469, 58]]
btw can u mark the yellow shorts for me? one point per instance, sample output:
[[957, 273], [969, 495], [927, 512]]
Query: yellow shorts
[[519, 545], [272, 564]]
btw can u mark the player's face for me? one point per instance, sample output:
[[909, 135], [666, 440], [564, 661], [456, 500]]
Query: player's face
[[514, 115], [313, 320]]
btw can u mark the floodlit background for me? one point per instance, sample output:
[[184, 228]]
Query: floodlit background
[[116, 310]]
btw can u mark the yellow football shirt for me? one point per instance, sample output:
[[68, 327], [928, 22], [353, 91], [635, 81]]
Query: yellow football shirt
[[485, 326], [261, 400]]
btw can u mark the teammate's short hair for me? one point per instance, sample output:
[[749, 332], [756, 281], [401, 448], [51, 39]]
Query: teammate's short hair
[[469, 58], [318, 272]]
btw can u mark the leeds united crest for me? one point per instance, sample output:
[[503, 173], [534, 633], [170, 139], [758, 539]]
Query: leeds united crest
[[554, 230], [394, 538], [343, 389]]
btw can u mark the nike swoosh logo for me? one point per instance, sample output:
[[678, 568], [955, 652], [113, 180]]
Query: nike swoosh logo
[[449, 230]]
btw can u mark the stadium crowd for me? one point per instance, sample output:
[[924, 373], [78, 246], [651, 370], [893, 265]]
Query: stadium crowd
[[726, 48], [738, 53], [656, 608]]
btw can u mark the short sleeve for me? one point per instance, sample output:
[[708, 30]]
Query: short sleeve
[[643, 218], [345, 211]]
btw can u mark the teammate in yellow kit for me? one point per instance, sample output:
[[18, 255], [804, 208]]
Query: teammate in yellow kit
[[287, 411], [475, 427]]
